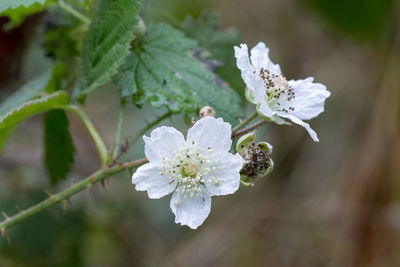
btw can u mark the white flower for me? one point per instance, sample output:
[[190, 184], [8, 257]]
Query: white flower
[[194, 170], [276, 97]]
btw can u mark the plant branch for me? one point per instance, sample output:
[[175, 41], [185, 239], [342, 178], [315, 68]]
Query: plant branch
[[73, 12], [243, 131], [118, 135], [244, 122], [101, 147], [64, 195]]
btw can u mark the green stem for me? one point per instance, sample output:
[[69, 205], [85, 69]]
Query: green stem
[[118, 135], [243, 131], [101, 147], [73, 12], [64, 195], [244, 122]]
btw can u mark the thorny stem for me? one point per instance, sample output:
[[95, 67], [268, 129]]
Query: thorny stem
[[101, 147], [238, 133], [73, 12], [244, 122], [118, 135], [64, 195], [106, 171]]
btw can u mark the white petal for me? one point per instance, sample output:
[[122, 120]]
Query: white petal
[[310, 131], [309, 98], [161, 143], [148, 178], [190, 211], [260, 59], [211, 132], [225, 176], [265, 110], [249, 74]]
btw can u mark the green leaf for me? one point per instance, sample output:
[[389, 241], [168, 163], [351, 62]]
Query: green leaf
[[59, 148], [162, 71], [206, 29], [30, 90], [33, 107], [17, 10], [13, 4], [106, 43], [4, 134]]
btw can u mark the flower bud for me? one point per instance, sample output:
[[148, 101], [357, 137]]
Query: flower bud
[[207, 111]]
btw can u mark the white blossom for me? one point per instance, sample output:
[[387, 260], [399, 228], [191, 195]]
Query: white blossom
[[276, 97], [193, 169]]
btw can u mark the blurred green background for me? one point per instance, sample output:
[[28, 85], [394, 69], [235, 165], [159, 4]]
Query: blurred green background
[[333, 203]]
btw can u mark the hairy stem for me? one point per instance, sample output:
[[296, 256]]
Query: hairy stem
[[73, 12], [101, 147], [243, 131], [244, 122], [118, 135], [64, 195]]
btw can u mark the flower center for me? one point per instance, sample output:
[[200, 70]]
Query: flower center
[[279, 93], [189, 169]]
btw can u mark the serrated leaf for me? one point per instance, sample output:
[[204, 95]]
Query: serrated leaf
[[59, 148], [33, 107], [18, 10], [162, 71], [206, 29], [30, 90], [106, 43], [13, 4]]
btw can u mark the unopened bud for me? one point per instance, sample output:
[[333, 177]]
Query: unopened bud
[[207, 111]]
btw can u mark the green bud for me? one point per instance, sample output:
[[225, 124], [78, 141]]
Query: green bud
[[245, 142], [264, 146]]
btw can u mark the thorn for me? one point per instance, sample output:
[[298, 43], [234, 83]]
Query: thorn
[[48, 193], [74, 180], [69, 201], [4, 232], [88, 189], [64, 207], [93, 180], [130, 171], [19, 209], [105, 183], [5, 216], [117, 161]]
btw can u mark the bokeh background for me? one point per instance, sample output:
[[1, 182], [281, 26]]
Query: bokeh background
[[333, 203]]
